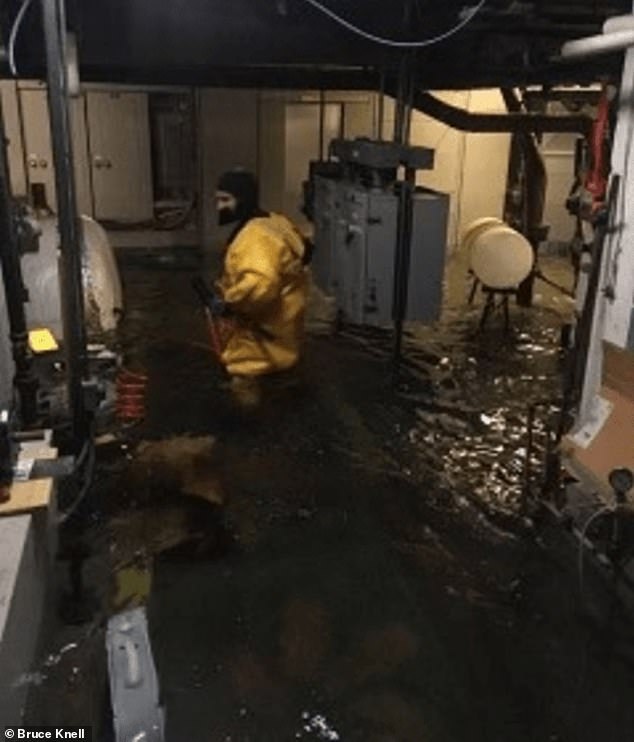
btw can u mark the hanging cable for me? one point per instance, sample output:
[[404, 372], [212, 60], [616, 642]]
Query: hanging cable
[[85, 486], [14, 34], [469, 16], [606, 510]]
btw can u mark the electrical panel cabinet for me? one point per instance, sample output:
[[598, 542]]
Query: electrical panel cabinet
[[367, 255], [326, 216], [355, 244]]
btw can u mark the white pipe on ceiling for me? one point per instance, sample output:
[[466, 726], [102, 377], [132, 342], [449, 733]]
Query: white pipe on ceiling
[[600, 44], [619, 23]]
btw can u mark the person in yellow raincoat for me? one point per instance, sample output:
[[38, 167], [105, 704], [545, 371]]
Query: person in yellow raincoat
[[263, 287]]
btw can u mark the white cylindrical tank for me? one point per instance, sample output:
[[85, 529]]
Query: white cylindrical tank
[[476, 228], [102, 285], [499, 256]]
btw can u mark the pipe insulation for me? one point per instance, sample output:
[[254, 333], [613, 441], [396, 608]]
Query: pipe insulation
[[619, 23], [592, 46]]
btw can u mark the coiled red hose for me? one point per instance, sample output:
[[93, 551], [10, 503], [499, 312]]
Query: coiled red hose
[[131, 388]]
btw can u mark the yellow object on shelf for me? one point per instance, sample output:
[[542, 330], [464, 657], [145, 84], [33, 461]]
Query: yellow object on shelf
[[42, 340]]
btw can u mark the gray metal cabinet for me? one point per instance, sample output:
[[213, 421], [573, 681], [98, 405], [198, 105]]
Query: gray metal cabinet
[[352, 255], [355, 240], [118, 123], [367, 256], [326, 214], [427, 256]]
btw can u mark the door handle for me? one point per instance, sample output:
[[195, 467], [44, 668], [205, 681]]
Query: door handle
[[102, 162], [33, 161]]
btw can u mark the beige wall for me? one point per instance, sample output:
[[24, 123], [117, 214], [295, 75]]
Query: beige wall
[[471, 168], [284, 134], [485, 166], [448, 145], [10, 110], [228, 134], [272, 144], [559, 158]]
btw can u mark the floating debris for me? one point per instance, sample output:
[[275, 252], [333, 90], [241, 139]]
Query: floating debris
[[318, 725]]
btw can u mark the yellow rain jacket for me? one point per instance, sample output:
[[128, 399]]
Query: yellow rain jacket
[[265, 283]]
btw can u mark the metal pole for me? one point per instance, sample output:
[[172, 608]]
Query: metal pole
[[322, 123], [401, 97], [381, 107], [402, 125], [402, 260], [15, 290], [407, 113], [72, 297]]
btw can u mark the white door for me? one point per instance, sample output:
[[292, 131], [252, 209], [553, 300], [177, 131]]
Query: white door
[[302, 146], [39, 152], [120, 156]]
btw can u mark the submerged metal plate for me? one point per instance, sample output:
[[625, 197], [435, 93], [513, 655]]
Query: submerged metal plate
[[133, 682]]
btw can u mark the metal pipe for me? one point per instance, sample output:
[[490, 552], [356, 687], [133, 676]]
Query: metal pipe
[[492, 123], [381, 108], [399, 107], [592, 46], [402, 260], [71, 287], [409, 103], [322, 123], [15, 291]]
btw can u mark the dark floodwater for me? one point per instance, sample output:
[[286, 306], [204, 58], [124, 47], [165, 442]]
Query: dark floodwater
[[372, 575]]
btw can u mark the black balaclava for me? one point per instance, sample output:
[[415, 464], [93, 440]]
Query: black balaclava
[[243, 185]]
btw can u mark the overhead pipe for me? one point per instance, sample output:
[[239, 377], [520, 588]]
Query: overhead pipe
[[617, 36], [526, 170], [619, 23], [491, 123], [72, 295], [592, 46]]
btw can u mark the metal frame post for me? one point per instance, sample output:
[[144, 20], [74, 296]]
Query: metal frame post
[[402, 126], [71, 286], [402, 259]]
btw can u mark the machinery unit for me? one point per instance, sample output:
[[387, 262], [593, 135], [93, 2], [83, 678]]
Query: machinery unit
[[103, 297], [103, 306], [357, 217], [327, 198], [364, 262]]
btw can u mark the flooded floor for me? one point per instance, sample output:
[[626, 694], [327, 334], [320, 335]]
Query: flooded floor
[[373, 573]]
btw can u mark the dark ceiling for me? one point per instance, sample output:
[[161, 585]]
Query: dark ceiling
[[289, 43]]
